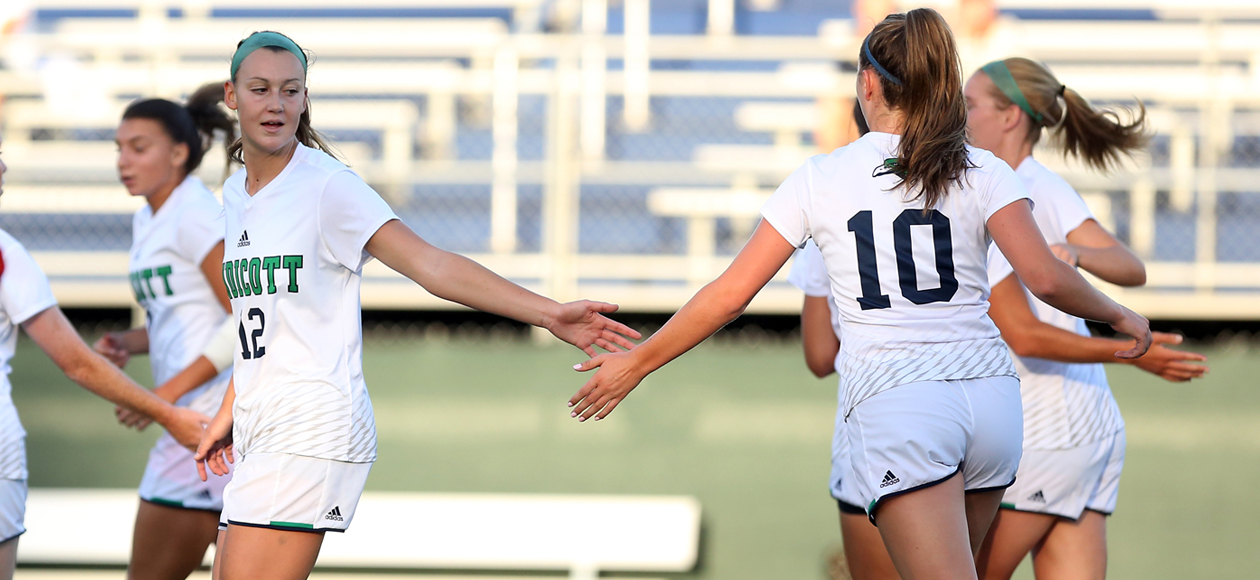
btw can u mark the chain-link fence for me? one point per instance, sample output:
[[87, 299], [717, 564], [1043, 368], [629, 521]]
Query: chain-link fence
[[550, 159]]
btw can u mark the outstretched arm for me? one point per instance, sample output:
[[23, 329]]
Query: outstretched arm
[[57, 338], [1093, 249], [215, 358], [453, 277], [818, 337], [1028, 336], [1055, 282], [715, 305]]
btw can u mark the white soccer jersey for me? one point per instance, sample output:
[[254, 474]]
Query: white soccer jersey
[[1065, 404], [167, 249], [910, 284], [24, 292], [293, 266], [809, 273]]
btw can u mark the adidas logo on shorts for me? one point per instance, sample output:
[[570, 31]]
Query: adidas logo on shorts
[[889, 479], [1038, 497], [205, 494], [335, 514]]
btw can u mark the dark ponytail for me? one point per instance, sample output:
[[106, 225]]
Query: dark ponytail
[[306, 134], [1098, 137], [193, 124], [917, 48]]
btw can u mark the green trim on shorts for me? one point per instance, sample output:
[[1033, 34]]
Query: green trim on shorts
[[166, 502], [293, 525], [1008, 506]]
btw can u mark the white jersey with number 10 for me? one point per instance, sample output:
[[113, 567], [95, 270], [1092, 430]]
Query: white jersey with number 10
[[293, 264], [910, 282]]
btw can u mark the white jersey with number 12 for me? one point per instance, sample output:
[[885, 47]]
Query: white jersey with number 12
[[293, 266]]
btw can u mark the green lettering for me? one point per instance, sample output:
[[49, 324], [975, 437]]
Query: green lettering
[[255, 269], [270, 263], [146, 275], [293, 264], [136, 287], [242, 276], [230, 281], [165, 273]]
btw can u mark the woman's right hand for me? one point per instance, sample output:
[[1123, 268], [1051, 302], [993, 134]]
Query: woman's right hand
[[1136, 326], [215, 451], [112, 349], [1177, 366]]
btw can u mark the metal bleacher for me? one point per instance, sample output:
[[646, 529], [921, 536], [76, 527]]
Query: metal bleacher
[[612, 150]]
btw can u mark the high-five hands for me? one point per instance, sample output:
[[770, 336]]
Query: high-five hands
[[583, 325], [1168, 364], [617, 376]]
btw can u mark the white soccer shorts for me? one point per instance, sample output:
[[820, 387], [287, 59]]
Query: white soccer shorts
[[1066, 482], [841, 484], [919, 434], [292, 492], [12, 508], [171, 479]]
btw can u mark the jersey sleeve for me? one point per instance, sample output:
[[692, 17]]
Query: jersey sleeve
[[787, 210], [350, 213], [24, 289], [1072, 211], [809, 273], [200, 231], [1004, 188]]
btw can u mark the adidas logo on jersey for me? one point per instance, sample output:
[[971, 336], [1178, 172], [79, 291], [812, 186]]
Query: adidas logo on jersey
[[1038, 497], [889, 479], [335, 514], [244, 241]]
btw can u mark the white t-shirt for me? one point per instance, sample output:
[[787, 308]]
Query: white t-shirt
[[809, 273], [911, 285], [167, 249], [1065, 404], [24, 292], [293, 266]]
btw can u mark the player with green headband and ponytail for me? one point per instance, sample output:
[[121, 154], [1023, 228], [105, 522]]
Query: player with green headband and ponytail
[[1074, 437], [299, 226]]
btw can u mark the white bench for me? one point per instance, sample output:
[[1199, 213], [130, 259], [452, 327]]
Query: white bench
[[580, 534], [786, 121], [701, 207]]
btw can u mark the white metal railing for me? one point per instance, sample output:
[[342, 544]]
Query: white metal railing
[[1199, 79]]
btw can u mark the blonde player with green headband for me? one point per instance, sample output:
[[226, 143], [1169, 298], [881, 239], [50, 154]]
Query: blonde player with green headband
[[1074, 440], [300, 226]]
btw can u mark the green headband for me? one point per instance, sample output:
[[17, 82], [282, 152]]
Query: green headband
[[259, 40], [1001, 76]]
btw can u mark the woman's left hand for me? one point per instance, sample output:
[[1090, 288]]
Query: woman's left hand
[[581, 324], [616, 377]]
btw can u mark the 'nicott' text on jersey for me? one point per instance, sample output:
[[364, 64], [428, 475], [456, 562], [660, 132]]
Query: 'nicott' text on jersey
[[182, 311], [293, 268]]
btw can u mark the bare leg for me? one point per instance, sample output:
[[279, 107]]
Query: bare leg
[[982, 507], [1011, 537], [8, 558], [1076, 550], [218, 556], [168, 542], [864, 549], [251, 553], [926, 532]]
